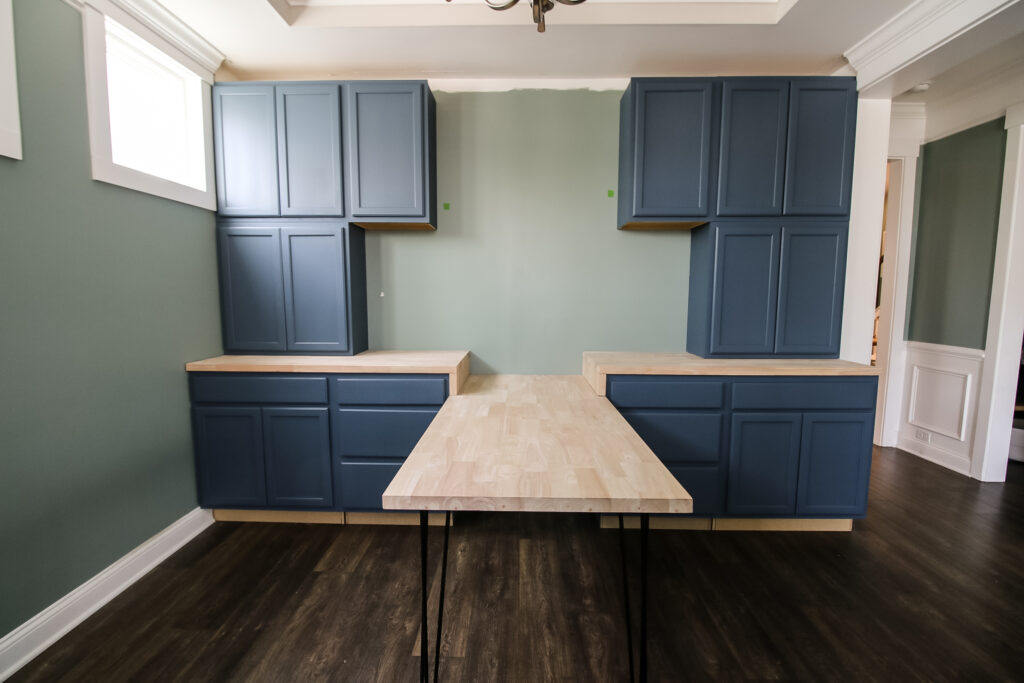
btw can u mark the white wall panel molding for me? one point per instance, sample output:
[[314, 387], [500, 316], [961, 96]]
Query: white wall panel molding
[[10, 116], [24, 643], [940, 402], [918, 30]]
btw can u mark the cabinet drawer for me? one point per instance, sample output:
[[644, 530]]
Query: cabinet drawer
[[633, 391], [379, 432], [678, 437], [231, 388], [361, 484], [705, 484], [838, 394], [396, 390]]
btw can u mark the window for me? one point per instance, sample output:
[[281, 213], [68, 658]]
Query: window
[[149, 109], [10, 123]]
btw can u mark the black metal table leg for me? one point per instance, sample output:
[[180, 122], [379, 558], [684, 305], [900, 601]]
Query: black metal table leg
[[440, 601], [625, 594], [645, 523], [424, 678]]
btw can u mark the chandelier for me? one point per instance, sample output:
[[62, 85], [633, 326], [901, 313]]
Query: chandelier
[[539, 7]]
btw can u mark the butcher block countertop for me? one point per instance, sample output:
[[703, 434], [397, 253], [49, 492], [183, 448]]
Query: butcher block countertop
[[455, 364], [533, 443], [597, 365]]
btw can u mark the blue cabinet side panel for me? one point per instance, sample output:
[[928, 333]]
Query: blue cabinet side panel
[[745, 290], [229, 456], [812, 275], [763, 458], [678, 437], [698, 312], [298, 457], [626, 156], [315, 288], [673, 126], [819, 155], [705, 484], [379, 432], [309, 150], [386, 124], [835, 462], [252, 286], [360, 485], [245, 150], [753, 145], [357, 304]]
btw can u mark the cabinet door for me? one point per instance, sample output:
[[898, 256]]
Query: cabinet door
[[835, 462], [386, 126], [252, 288], [309, 150], [229, 456], [812, 275], [673, 119], [316, 288], [750, 171], [745, 288], [298, 457], [705, 484], [245, 149], [763, 457], [361, 484], [819, 154]]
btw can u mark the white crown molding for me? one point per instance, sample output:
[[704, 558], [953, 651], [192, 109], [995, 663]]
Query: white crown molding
[[908, 110], [913, 33], [24, 643], [506, 84]]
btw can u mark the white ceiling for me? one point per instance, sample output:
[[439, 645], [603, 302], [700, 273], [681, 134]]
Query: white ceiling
[[809, 38]]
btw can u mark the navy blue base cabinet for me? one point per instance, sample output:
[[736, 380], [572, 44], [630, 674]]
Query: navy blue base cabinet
[[758, 446], [300, 441]]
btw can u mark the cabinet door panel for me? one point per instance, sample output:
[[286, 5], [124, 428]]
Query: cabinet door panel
[[316, 289], [309, 150], [229, 456], [835, 462], [745, 289], [750, 175], [298, 457], [361, 484], [245, 148], [386, 141], [811, 280], [763, 457], [705, 484], [252, 299], [819, 153], [676, 436], [673, 144]]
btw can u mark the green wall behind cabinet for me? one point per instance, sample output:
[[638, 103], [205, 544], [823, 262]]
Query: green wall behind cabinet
[[104, 294], [959, 188], [526, 268]]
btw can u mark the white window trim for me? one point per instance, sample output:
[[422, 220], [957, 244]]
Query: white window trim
[[103, 166], [10, 118]]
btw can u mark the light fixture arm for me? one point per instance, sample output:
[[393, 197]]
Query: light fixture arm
[[539, 7]]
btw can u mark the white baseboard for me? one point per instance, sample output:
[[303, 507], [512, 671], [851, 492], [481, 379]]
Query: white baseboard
[[953, 461], [24, 643], [1017, 445]]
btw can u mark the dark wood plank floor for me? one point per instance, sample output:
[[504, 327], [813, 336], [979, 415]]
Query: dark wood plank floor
[[929, 587]]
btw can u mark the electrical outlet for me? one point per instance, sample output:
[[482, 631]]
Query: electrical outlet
[[923, 435]]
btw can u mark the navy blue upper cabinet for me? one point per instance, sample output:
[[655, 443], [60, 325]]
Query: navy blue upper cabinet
[[665, 141], [391, 153], [819, 153], [835, 462], [315, 288], [753, 146], [745, 288], [245, 150], [811, 281], [251, 287], [309, 150]]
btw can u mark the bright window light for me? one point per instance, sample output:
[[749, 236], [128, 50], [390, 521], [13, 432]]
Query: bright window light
[[156, 110]]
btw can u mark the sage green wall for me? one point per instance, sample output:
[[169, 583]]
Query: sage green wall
[[526, 269], [104, 294], [960, 185]]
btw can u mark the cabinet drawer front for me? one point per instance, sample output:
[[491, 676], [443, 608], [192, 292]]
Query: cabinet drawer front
[[222, 388], [678, 437], [626, 391], [396, 390], [379, 432], [838, 394], [361, 484], [705, 484]]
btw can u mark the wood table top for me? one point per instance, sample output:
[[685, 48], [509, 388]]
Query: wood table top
[[455, 364], [533, 443], [597, 365]]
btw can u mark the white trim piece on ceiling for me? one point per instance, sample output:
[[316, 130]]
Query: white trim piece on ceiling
[[919, 29], [987, 98], [507, 84], [27, 641], [10, 117]]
